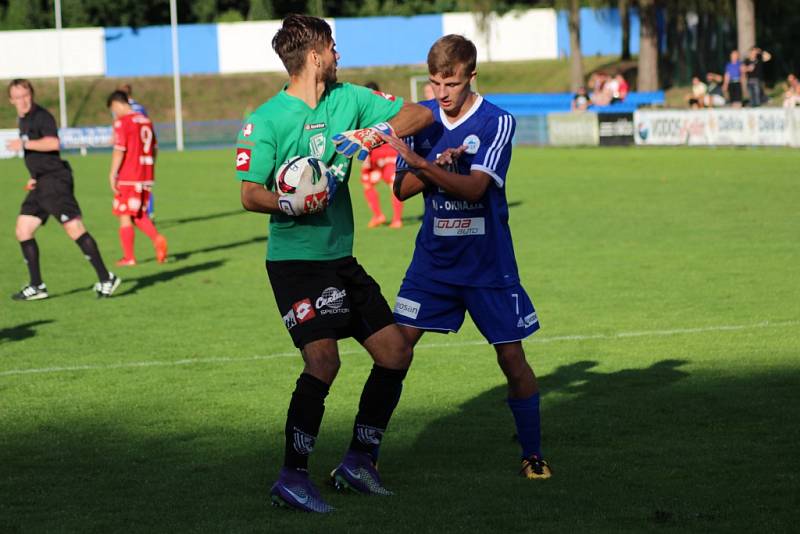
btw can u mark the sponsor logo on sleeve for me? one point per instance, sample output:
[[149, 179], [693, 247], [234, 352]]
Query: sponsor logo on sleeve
[[248, 129], [390, 98], [459, 227], [407, 308], [243, 159], [332, 301], [303, 310]]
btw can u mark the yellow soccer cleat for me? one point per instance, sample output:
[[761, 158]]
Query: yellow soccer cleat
[[535, 468]]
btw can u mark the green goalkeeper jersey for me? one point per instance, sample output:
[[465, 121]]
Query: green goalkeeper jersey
[[285, 127]]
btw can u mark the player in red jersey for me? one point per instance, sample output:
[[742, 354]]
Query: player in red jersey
[[131, 176], [380, 166]]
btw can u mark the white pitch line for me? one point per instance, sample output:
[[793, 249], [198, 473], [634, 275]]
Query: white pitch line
[[421, 346]]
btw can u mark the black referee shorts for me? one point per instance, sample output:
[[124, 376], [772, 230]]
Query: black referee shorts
[[327, 300], [53, 195]]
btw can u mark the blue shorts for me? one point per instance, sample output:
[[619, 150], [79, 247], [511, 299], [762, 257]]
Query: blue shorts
[[502, 315]]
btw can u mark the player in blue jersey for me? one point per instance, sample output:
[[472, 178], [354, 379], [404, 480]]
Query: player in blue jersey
[[464, 257]]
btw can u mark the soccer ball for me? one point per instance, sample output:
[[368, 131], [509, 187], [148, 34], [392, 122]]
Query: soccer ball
[[302, 183]]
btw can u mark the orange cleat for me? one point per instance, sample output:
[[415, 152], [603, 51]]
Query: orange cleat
[[126, 262], [396, 224], [161, 248], [376, 221]]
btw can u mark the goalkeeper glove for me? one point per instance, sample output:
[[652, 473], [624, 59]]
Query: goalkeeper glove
[[360, 143], [333, 186]]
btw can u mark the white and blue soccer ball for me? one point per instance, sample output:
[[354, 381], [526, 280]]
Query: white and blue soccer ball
[[302, 183]]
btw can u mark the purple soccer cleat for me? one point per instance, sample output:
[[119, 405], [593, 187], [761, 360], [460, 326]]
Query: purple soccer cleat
[[357, 473], [294, 489]]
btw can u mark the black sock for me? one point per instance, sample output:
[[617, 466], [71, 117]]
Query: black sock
[[378, 400], [303, 420], [30, 251], [89, 248]]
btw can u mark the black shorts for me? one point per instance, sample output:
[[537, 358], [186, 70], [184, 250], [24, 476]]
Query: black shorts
[[327, 300], [735, 91], [53, 195]]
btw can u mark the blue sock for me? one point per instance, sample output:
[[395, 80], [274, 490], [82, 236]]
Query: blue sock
[[526, 417]]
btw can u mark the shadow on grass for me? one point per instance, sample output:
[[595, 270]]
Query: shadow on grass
[[165, 276], [632, 450], [22, 331], [180, 256], [168, 223]]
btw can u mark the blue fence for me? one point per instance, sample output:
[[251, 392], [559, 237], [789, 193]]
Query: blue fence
[[527, 104]]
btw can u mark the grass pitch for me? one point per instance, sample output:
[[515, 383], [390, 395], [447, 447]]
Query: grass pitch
[[666, 281]]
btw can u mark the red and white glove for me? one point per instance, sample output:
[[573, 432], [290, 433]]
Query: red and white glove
[[361, 142]]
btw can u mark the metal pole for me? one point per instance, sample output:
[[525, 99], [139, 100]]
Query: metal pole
[[176, 76], [62, 92]]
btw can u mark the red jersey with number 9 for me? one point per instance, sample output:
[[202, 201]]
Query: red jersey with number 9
[[134, 135]]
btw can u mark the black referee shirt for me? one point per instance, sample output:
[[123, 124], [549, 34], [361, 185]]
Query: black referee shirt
[[36, 124]]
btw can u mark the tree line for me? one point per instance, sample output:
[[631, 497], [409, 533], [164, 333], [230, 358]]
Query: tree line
[[698, 34]]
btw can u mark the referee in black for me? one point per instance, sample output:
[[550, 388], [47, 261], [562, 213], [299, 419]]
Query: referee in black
[[50, 192]]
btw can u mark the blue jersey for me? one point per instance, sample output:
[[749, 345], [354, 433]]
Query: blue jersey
[[467, 243]]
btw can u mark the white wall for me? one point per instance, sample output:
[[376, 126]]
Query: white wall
[[247, 46], [34, 53], [517, 35]]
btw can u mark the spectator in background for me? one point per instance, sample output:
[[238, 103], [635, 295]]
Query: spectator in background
[[732, 82], [618, 87], [753, 67], [581, 101], [600, 95], [715, 96], [697, 98], [791, 97]]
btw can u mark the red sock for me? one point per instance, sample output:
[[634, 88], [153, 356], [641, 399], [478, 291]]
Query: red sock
[[397, 209], [144, 224], [373, 201], [126, 236]]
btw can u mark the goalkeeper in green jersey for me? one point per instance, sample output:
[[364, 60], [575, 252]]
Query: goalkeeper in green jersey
[[321, 291]]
